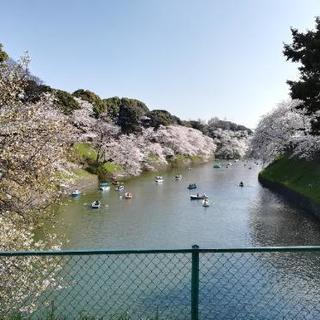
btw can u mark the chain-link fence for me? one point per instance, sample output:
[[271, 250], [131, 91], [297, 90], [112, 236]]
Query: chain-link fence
[[265, 283]]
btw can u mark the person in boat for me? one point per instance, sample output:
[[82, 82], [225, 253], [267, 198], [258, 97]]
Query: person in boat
[[241, 184], [205, 203]]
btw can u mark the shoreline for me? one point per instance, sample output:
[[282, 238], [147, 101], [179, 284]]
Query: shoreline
[[89, 180], [293, 196]]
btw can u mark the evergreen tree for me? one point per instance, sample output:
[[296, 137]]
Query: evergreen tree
[[130, 112], [305, 49], [162, 117]]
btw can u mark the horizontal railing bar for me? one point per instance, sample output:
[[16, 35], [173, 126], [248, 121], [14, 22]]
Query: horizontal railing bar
[[263, 249], [91, 252], [158, 251]]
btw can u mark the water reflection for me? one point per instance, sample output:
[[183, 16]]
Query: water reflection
[[276, 222]]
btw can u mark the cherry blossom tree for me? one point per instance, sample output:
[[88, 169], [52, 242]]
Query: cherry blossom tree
[[83, 119], [286, 129], [230, 144], [185, 141], [106, 136], [125, 152], [33, 141]]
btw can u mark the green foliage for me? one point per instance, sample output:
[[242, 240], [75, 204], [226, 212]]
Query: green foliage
[[129, 119], [98, 104], [34, 90], [113, 107], [126, 112], [3, 55], [162, 117], [199, 125], [130, 112], [65, 101], [108, 169], [135, 104], [305, 49], [85, 152], [299, 175]]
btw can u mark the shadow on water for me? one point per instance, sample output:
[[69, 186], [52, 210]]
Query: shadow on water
[[274, 221]]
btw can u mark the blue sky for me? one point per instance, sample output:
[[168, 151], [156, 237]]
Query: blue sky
[[197, 59]]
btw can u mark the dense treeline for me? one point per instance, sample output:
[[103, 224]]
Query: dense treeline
[[130, 114]]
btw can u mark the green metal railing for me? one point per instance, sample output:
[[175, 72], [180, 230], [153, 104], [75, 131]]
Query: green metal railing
[[196, 283]]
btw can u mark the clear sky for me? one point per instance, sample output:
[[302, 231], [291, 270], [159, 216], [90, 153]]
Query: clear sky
[[197, 59]]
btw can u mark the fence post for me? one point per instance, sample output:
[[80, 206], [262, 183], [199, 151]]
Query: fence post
[[195, 283]]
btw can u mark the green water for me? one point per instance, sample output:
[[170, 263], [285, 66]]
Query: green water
[[162, 215]]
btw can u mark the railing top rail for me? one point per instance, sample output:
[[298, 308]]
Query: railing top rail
[[159, 251]]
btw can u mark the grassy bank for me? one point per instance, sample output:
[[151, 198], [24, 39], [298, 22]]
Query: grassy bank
[[298, 175], [86, 155]]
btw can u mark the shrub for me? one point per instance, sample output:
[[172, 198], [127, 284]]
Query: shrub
[[108, 169]]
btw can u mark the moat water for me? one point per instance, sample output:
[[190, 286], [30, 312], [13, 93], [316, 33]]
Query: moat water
[[162, 216]]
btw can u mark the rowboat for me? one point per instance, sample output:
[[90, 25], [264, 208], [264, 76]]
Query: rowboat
[[128, 195], [104, 186], [205, 203], [95, 204], [199, 197], [158, 179], [76, 193], [119, 188]]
